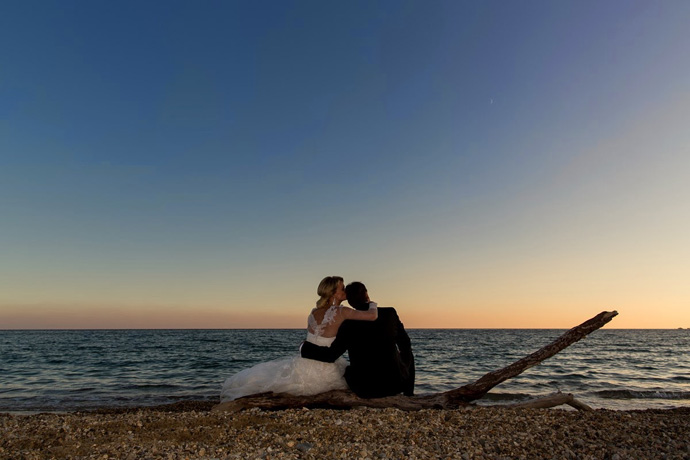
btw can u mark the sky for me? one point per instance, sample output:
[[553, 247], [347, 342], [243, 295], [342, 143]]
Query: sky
[[477, 164]]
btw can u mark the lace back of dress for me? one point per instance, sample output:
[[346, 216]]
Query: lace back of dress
[[316, 328]]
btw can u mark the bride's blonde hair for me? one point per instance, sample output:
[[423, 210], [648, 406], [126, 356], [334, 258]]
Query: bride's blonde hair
[[326, 290]]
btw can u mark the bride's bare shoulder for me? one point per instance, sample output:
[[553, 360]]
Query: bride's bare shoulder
[[318, 314]]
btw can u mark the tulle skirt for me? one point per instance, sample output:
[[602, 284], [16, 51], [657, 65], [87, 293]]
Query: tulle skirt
[[296, 376]]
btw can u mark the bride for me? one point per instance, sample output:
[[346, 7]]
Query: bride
[[297, 375]]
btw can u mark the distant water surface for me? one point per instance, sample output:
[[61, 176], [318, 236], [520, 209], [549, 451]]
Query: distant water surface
[[86, 369]]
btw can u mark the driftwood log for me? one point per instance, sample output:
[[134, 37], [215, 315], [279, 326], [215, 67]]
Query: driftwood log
[[555, 399], [452, 399]]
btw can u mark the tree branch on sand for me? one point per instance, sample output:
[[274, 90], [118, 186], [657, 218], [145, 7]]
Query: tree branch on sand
[[452, 399]]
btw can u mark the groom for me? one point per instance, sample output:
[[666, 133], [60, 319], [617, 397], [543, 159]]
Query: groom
[[381, 361]]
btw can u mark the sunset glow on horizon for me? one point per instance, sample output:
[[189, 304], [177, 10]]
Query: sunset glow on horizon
[[475, 164]]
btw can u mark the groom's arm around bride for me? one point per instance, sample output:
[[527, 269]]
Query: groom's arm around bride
[[381, 360]]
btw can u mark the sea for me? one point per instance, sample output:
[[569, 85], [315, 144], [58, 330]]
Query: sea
[[81, 370]]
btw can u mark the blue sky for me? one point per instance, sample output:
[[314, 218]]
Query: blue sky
[[205, 164]]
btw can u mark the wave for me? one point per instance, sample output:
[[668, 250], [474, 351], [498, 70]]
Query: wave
[[37, 404], [642, 394], [603, 394], [149, 386]]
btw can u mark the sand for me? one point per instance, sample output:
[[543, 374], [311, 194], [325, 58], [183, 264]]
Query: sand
[[190, 430]]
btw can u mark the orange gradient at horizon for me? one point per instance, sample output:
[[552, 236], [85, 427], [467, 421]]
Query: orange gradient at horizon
[[517, 315]]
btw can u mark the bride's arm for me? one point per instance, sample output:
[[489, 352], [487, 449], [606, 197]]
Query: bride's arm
[[361, 315]]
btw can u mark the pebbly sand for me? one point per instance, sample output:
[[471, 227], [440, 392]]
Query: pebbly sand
[[190, 430]]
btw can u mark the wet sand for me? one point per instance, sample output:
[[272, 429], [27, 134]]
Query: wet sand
[[190, 430]]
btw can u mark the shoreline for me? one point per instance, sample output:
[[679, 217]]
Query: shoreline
[[189, 430], [188, 405], [205, 405]]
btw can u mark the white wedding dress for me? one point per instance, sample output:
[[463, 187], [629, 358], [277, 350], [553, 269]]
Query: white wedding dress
[[296, 375]]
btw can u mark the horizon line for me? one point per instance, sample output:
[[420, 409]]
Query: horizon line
[[297, 329]]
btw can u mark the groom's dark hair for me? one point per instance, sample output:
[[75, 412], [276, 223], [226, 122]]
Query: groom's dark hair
[[356, 293]]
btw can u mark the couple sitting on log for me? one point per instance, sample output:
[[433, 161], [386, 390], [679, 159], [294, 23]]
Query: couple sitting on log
[[381, 360], [381, 363]]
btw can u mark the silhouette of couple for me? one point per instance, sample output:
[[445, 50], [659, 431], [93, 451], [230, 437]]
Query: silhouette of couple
[[381, 361]]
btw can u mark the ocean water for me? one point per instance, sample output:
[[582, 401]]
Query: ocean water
[[69, 370]]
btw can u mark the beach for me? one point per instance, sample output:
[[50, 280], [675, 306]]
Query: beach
[[191, 430]]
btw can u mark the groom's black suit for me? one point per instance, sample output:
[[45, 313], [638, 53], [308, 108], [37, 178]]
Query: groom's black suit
[[381, 360]]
